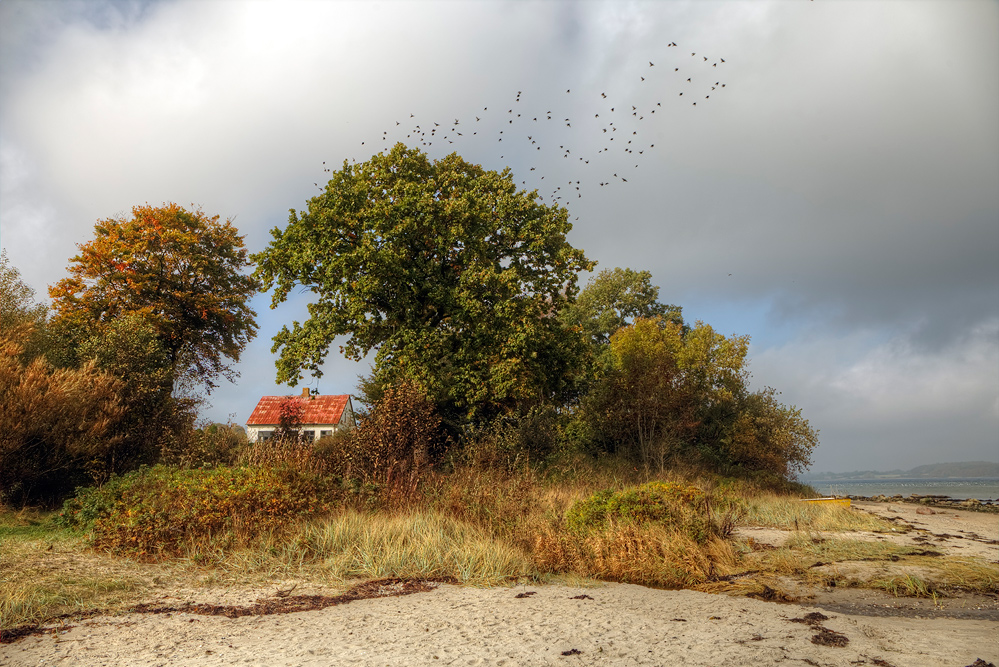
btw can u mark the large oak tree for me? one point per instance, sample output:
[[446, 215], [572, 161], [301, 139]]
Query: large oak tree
[[444, 269]]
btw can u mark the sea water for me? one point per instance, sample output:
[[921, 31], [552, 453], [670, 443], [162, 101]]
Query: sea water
[[958, 488]]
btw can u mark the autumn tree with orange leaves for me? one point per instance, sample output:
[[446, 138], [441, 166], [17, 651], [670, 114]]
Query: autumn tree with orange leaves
[[180, 271]]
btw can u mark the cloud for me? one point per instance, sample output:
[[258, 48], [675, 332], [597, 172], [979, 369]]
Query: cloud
[[885, 404], [836, 199]]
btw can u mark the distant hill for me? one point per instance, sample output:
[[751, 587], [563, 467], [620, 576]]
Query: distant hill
[[933, 470]]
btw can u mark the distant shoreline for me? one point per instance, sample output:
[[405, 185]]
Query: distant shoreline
[[893, 478], [914, 488], [966, 470]]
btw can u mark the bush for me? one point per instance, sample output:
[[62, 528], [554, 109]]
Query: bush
[[680, 506], [295, 454], [768, 438], [56, 425], [160, 510], [514, 440], [400, 438]]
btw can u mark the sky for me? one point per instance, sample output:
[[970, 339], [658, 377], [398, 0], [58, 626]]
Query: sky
[[827, 182]]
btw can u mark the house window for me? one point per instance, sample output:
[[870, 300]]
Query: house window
[[264, 436], [309, 436], [325, 433]]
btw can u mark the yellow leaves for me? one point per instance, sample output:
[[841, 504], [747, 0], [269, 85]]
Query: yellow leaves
[[183, 269]]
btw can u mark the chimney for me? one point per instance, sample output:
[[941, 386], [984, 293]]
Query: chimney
[[305, 392]]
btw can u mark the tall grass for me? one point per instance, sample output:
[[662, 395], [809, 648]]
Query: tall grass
[[774, 511], [410, 544]]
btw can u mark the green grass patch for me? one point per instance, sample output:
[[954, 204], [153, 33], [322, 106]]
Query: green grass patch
[[681, 506]]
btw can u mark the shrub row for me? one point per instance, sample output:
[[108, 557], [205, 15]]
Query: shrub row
[[157, 510]]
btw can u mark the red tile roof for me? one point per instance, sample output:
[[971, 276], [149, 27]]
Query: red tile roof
[[318, 409]]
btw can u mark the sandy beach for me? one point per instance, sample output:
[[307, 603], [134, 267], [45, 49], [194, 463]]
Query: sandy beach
[[613, 624], [598, 624]]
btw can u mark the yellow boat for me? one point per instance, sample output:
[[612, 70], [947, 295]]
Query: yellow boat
[[844, 502]]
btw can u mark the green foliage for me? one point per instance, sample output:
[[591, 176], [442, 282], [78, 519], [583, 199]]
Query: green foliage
[[181, 272], [445, 270], [19, 312], [82, 405], [659, 380], [770, 438], [672, 504], [214, 445], [518, 439], [153, 420], [668, 391], [612, 299], [155, 511]]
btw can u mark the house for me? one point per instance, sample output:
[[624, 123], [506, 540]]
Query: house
[[319, 416]]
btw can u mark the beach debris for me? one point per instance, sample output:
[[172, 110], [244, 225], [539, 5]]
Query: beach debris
[[525, 594], [981, 663], [377, 588], [581, 597], [813, 618], [825, 636], [771, 595], [572, 651]]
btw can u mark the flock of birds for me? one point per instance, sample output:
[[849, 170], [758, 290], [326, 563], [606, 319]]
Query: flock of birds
[[603, 136]]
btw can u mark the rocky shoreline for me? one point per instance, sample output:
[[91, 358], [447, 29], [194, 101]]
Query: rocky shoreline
[[972, 504]]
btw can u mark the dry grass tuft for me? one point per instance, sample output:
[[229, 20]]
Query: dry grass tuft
[[773, 511], [412, 544]]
